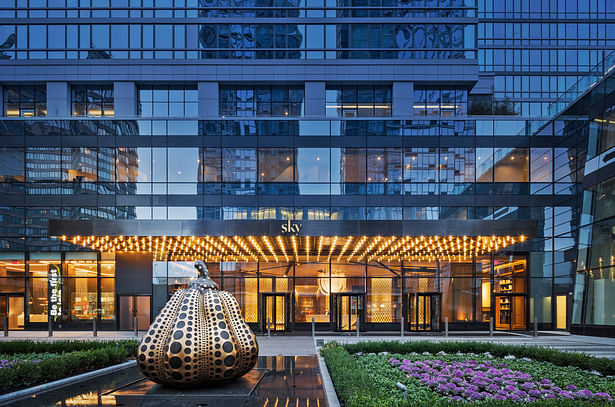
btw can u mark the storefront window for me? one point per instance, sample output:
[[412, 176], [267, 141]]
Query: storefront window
[[383, 293], [107, 286], [80, 285], [39, 265], [312, 290], [240, 280], [12, 273], [509, 289]]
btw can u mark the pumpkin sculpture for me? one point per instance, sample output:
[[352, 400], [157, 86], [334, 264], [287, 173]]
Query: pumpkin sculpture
[[199, 338]]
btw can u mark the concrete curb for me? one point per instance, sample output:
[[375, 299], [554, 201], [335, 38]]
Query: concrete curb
[[327, 384], [45, 387]]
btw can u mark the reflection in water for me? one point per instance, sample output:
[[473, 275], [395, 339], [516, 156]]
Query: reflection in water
[[276, 381]]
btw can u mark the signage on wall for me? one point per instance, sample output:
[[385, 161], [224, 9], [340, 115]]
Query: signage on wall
[[54, 279], [291, 227]]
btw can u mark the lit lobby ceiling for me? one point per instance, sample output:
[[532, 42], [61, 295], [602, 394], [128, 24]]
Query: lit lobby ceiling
[[299, 241]]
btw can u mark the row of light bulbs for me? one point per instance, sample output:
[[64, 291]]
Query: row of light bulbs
[[274, 248]]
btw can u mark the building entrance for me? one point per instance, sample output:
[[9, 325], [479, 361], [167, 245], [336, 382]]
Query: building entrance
[[11, 306], [424, 311], [348, 310], [275, 312], [510, 312], [132, 306]]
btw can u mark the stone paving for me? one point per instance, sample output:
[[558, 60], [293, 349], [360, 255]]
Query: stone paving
[[294, 345]]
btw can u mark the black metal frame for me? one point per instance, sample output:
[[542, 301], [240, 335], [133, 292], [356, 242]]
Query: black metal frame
[[337, 311], [263, 311], [435, 324]]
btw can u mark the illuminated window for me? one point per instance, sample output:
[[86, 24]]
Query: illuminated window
[[25, 101]]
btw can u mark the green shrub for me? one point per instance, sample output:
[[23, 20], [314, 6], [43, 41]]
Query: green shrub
[[71, 358]]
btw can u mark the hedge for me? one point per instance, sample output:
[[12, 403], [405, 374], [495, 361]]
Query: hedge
[[27, 346], [73, 358], [357, 386]]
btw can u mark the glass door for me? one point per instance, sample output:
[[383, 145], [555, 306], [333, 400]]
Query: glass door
[[424, 311], [348, 310], [134, 306], [510, 313], [12, 306], [275, 311]]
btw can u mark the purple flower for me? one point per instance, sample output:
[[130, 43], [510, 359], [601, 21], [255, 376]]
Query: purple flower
[[500, 397], [586, 394], [567, 395], [602, 396], [493, 388], [571, 387], [442, 389], [545, 382], [456, 398]]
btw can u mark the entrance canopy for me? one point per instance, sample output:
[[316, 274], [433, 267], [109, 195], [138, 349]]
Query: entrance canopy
[[300, 240]]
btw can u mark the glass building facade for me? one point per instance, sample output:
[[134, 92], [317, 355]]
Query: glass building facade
[[186, 112]]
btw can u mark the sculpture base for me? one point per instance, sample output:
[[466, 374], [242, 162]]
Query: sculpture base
[[145, 393]]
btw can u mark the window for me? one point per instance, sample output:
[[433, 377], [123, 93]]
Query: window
[[358, 101], [168, 101], [440, 101], [262, 100], [25, 100], [92, 100]]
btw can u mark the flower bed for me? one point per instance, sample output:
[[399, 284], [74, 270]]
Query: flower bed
[[365, 376], [7, 361], [470, 380]]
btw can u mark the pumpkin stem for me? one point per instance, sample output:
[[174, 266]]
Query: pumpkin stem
[[202, 268]]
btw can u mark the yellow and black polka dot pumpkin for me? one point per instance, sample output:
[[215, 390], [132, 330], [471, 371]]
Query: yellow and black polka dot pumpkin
[[199, 338]]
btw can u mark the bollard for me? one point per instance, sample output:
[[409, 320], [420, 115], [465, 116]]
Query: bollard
[[402, 327], [535, 327], [446, 327], [6, 326], [313, 328], [403, 388], [50, 333], [268, 326], [136, 327], [94, 328], [357, 327], [490, 326]]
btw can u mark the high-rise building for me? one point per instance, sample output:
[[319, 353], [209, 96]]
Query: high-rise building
[[356, 165]]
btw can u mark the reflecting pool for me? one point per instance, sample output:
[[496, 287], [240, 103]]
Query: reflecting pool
[[280, 381]]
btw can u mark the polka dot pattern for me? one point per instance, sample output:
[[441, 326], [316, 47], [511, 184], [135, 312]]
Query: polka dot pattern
[[198, 338]]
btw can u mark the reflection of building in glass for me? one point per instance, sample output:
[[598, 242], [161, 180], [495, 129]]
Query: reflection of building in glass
[[594, 287]]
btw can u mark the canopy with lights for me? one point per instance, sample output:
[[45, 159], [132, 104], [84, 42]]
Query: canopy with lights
[[283, 241]]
